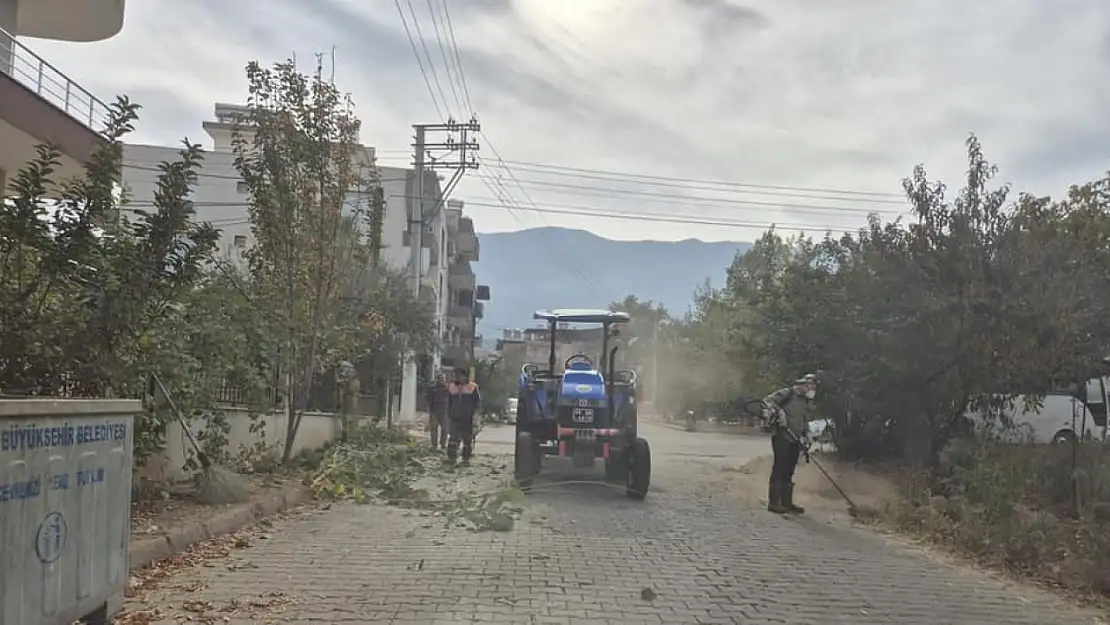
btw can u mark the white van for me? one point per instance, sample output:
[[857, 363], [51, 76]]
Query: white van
[[1065, 415]]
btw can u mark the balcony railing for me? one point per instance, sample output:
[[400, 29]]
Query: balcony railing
[[33, 72]]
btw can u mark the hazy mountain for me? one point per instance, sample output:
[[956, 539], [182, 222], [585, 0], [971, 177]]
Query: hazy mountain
[[562, 268]]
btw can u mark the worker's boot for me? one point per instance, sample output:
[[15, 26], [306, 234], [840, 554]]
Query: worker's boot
[[452, 451], [788, 499], [774, 497]]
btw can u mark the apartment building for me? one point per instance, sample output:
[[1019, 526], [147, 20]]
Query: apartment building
[[448, 243], [466, 298], [38, 102]]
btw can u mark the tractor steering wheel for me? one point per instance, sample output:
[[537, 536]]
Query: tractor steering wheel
[[577, 358]]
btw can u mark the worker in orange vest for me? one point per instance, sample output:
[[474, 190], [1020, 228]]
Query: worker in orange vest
[[463, 401]]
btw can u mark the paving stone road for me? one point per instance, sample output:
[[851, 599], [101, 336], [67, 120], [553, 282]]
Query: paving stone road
[[708, 559]]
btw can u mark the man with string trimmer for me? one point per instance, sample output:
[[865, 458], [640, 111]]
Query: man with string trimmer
[[787, 411]]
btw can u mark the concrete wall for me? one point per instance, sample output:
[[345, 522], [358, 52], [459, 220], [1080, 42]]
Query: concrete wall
[[315, 430]]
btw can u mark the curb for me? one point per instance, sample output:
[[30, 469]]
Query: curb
[[231, 519]]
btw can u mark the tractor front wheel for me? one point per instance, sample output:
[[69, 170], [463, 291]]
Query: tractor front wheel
[[639, 470], [526, 461]]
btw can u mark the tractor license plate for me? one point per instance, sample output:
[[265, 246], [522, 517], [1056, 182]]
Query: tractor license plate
[[583, 415]]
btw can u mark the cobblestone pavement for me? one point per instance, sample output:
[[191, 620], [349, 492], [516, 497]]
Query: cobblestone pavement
[[588, 553]]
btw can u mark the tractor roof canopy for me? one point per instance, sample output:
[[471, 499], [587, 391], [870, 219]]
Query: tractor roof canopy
[[582, 315]]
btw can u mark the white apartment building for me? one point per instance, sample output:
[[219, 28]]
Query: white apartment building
[[448, 243]]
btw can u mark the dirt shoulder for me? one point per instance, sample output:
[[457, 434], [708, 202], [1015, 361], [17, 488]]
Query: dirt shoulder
[[877, 495], [869, 491]]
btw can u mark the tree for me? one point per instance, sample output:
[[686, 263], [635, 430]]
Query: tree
[[297, 150], [974, 301], [90, 294], [640, 338]]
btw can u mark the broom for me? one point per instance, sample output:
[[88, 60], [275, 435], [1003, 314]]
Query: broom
[[215, 485]]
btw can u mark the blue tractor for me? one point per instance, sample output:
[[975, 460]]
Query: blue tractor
[[584, 412]]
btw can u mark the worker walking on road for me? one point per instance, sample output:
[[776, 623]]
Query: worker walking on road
[[789, 410], [463, 402], [437, 411]]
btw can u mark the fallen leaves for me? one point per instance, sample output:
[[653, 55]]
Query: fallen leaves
[[203, 554]]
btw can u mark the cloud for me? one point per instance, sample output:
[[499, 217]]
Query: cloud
[[846, 95]]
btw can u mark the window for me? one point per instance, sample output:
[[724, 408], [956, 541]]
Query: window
[[240, 241], [242, 187]]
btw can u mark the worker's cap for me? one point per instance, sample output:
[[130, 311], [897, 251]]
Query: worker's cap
[[807, 378]]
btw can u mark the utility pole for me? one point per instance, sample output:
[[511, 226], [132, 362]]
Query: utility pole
[[655, 366], [659, 322], [453, 151]]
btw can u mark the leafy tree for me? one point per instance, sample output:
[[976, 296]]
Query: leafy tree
[[297, 150], [90, 296], [973, 301], [641, 338]]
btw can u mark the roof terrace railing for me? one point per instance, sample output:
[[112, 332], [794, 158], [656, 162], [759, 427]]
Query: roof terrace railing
[[34, 73]]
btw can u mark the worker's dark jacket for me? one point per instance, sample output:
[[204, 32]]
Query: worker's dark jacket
[[463, 401], [437, 397], [796, 406]]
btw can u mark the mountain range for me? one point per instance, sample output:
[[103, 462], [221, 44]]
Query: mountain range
[[529, 270]]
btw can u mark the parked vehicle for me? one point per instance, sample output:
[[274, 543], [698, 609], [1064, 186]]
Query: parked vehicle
[[1067, 414], [513, 403]]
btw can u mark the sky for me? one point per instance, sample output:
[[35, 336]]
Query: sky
[[808, 96]]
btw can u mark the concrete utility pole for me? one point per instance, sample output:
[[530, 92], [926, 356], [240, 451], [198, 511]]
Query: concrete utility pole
[[454, 152], [659, 322]]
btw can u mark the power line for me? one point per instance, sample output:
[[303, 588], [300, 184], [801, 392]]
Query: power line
[[718, 186], [703, 181], [443, 53], [505, 195], [720, 202], [560, 209], [695, 187], [458, 57], [419, 63], [737, 188], [427, 55], [505, 198]]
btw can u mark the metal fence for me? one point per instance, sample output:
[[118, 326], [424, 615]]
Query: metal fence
[[35, 73]]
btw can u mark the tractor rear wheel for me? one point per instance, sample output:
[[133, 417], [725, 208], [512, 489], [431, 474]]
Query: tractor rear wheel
[[639, 470], [526, 461]]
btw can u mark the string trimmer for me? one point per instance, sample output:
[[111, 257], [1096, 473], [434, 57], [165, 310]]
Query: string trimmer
[[853, 510]]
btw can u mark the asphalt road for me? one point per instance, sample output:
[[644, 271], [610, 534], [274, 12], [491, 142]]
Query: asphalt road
[[587, 554]]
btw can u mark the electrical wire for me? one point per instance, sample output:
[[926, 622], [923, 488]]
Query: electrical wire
[[608, 192], [557, 209], [443, 53], [416, 53], [702, 181], [458, 57], [428, 55]]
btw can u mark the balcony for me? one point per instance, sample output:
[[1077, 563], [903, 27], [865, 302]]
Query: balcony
[[455, 355], [461, 276], [66, 20], [466, 241], [39, 104], [460, 314]]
